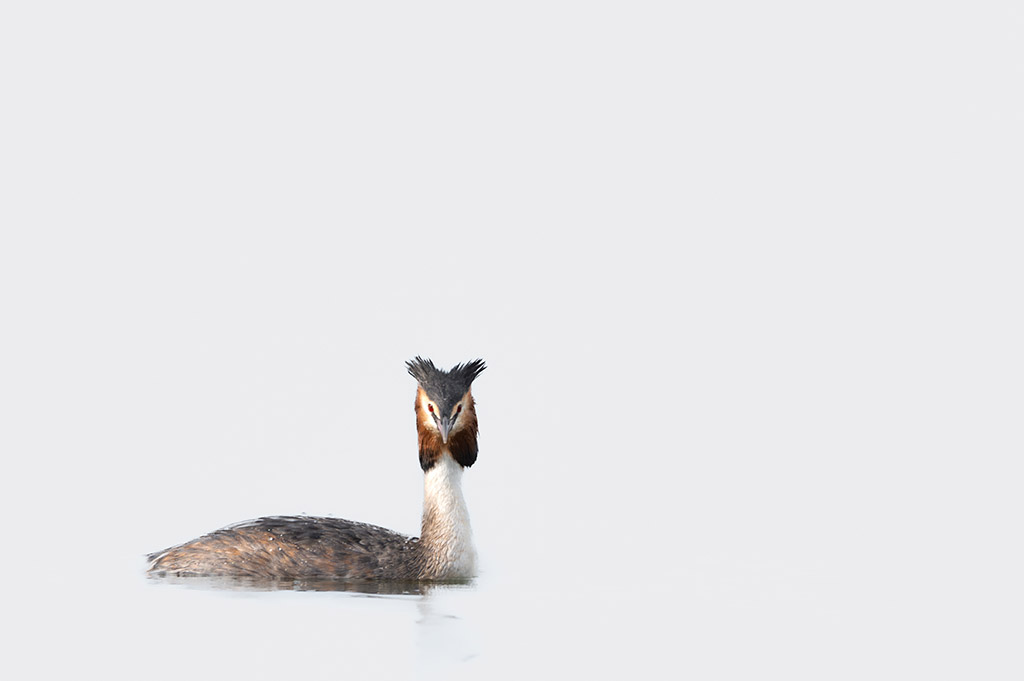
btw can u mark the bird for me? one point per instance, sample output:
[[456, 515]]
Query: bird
[[307, 547]]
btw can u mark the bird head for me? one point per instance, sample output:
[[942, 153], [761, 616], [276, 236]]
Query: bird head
[[445, 411]]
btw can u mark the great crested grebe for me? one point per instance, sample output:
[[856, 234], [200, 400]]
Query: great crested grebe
[[299, 547]]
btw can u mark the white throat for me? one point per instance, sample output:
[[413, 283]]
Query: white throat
[[447, 535]]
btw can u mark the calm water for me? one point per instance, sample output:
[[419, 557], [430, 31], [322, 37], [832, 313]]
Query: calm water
[[757, 620], [331, 630], [172, 628]]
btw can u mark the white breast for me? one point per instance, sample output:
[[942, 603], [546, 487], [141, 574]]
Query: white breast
[[446, 532]]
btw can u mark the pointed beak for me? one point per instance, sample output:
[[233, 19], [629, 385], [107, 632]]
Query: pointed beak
[[445, 426]]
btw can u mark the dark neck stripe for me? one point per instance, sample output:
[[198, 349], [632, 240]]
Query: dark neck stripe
[[462, 445]]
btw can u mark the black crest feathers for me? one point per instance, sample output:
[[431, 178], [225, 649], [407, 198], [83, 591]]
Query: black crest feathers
[[445, 387]]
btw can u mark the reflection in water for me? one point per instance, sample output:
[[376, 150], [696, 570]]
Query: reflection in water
[[445, 638], [370, 587]]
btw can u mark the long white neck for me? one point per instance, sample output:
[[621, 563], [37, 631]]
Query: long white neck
[[447, 536]]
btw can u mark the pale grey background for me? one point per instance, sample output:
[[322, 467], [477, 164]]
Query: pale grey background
[[746, 275]]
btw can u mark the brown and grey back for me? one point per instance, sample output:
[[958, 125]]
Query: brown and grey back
[[295, 547], [300, 547]]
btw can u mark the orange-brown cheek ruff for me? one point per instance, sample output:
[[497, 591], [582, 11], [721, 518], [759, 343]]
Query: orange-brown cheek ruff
[[462, 441]]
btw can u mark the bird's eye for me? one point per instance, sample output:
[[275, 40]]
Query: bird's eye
[[458, 410], [430, 408]]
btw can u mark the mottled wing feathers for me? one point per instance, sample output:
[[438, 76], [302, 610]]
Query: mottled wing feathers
[[299, 547]]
